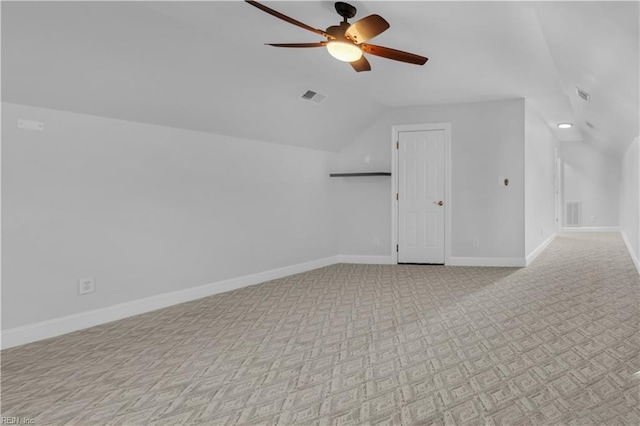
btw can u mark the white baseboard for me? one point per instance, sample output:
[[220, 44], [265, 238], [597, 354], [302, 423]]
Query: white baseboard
[[67, 324], [634, 257], [487, 261], [370, 260], [454, 261], [591, 229], [532, 256]]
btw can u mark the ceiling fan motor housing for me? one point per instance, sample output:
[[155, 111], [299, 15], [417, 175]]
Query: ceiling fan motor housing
[[337, 31]]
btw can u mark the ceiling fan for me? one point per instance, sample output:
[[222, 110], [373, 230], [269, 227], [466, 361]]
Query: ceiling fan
[[347, 42]]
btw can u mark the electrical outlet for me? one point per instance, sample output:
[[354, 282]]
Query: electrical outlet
[[476, 242], [86, 285], [376, 241], [367, 159], [593, 219]]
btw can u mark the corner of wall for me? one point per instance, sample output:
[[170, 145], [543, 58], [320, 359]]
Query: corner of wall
[[632, 254]]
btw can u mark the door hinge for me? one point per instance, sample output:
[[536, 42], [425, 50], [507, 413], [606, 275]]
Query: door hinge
[[396, 248], [398, 145], [397, 196]]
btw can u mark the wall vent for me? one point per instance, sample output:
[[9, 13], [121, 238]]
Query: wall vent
[[312, 96], [583, 95], [574, 216]]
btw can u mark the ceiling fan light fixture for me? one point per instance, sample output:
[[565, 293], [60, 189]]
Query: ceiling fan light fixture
[[344, 51], [564, 125]]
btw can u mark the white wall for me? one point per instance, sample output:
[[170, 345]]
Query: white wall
[[593, 178], [147, 210], [630, 200], [487, 142], [539, 154]]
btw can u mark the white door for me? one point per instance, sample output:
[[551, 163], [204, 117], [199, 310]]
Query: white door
[[421, 207]]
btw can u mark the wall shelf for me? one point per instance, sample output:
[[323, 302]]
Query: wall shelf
[[360, 174]]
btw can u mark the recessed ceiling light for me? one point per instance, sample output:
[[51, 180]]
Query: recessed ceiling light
[[564, 125]]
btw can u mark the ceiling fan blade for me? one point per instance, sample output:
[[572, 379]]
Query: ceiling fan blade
[[319, 44], [361, 64], [396, 55], [287, 19], [366, 28]]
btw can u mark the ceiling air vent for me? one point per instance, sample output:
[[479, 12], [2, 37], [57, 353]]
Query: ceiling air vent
[[582, 94], [312, 96]]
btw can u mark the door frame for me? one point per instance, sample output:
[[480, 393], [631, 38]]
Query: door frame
[[395, 137], [558, 190]]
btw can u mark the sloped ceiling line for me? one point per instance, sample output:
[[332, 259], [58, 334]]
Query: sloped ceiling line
[[195, 65], [596, 48]]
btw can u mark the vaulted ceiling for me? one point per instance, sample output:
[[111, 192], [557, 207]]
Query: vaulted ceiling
[[204, 65]]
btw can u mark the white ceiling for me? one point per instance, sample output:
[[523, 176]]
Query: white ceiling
[[204, 66]]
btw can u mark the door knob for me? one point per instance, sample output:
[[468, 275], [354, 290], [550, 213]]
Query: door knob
[[440, 203]]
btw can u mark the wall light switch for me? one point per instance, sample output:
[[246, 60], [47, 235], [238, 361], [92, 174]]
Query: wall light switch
[[367, 159], [31, 125]]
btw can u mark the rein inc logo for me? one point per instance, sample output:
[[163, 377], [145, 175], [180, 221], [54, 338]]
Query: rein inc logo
[[4, 420]]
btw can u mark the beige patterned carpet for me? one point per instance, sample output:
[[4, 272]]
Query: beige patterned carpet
[[555, 343]]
